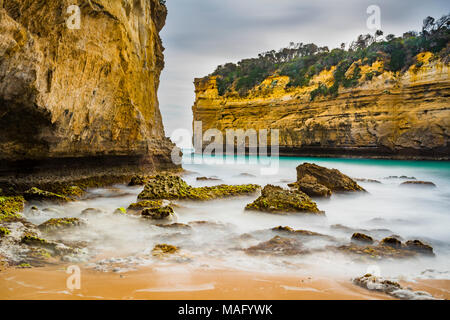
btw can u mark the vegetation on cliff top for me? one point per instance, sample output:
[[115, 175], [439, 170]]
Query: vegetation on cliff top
[[300, 62]]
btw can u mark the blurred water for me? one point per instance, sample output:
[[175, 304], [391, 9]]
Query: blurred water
[[409, 212]]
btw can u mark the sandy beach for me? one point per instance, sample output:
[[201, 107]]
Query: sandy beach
[[190, 284]]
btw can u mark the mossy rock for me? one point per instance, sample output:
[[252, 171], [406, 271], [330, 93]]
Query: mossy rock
[[60, 223], [333, 179], [120, 210], [172, 187], [419, 246], [11, 207], [361, 237], [4, 232], [145, 204], [311, 189], [35, 194], [391, 242], [138, 180], [162, 249], [277, 246], [275, 199], [31, 238], [162, 213]]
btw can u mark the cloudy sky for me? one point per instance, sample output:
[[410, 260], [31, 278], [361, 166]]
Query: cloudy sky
[[201, 34]]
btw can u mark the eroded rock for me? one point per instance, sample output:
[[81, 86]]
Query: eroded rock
[[173, 187], [277, 246], [161, 213], [391, 288], [361, 237], [35, 194], [333, 179], [57, 224], [275, 199], [418, 183]]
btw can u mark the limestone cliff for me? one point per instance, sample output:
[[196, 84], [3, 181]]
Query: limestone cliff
[[393, 115], [88, 93]]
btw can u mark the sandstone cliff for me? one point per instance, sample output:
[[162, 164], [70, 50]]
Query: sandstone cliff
[[394, 115], [88, 93]]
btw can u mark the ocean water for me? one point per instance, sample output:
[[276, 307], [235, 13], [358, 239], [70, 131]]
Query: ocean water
[[386, 209]]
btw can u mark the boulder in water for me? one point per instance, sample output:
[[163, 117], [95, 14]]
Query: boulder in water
[[277, 246], [418, 183], [361, 237], [275, 199], [333, 179]]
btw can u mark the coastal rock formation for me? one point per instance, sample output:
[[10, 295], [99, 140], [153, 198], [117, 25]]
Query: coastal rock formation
[[392, 114], [87, 93], [317, 181], [171, 187], [275, 199]]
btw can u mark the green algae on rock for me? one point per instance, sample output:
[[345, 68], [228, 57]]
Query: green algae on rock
[[171, 187], [275, 199], [11, 207], [162, 213], [145, 204], [55, 224], [161, 249], [35, 194]]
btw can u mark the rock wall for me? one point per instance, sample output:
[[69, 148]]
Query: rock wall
[[392, 115], [81, 95]]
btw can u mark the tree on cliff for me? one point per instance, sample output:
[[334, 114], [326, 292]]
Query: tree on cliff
[[300, 62]]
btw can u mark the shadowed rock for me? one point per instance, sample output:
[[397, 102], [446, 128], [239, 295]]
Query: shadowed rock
[[162, 213], [419, 246], [35, 194], [333, 179], [361, 237], [418, 183], [391, 242]]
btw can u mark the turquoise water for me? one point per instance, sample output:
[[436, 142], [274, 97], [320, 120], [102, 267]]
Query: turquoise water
[[387, 209]]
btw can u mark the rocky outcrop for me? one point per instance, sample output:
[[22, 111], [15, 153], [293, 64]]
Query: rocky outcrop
[[170, 187], [393, 115], [331, 179], [277, 200], [81, 96]]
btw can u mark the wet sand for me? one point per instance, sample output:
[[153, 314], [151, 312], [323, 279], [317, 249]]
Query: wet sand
[[173, 282]]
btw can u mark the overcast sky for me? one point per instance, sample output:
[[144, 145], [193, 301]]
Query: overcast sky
[[201, 34]]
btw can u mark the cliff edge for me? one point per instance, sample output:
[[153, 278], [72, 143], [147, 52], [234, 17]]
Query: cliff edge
[[81, 97], [403, 115]]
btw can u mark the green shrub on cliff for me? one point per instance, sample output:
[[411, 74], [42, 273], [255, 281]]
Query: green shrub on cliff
[[300, 62]]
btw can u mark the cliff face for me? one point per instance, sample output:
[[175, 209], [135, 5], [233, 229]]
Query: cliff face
[[83, 93], [395, 115]]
